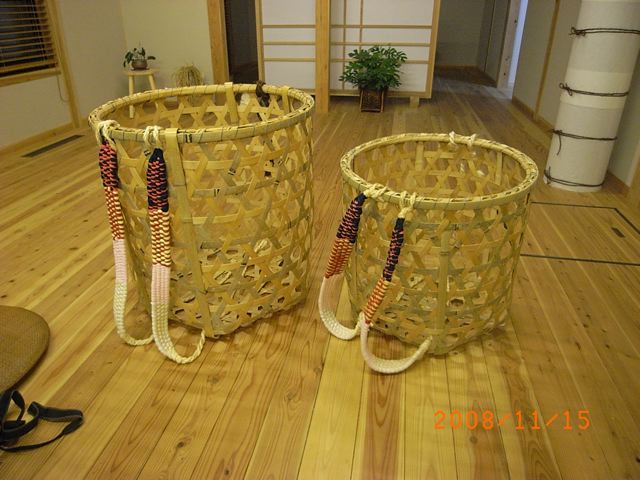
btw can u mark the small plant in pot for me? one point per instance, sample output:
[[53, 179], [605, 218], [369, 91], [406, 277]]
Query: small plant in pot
[[374, 71], [137, 58]]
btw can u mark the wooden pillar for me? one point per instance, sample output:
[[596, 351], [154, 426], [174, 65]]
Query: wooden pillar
[[323, 27], [218, 41]]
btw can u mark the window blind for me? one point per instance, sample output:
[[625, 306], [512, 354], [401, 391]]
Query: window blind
[[26, 40]]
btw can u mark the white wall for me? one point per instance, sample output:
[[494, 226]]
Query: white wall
[[31, 108], [624, 157], [459, 32], [496, 38], [94, 40], [558, 59], [518, 41], [95, 43], [485, 33], [529, 75], [175, 32], [532, 51]]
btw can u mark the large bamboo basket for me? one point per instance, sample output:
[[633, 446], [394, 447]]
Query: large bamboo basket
[[466, 202], [240, 205]]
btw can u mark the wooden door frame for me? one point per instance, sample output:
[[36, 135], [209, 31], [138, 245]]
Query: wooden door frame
[[506, 55], [218, 41], [220, 53], [323, 48]]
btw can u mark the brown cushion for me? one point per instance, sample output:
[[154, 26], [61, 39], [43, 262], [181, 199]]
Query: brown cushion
[[24, 337]]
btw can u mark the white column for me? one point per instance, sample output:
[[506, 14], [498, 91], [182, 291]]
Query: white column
[[600, 62]]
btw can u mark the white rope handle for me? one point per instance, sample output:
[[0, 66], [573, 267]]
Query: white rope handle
[[161, 270], [160, 279], [120, 296], [342, 247], [328, 314], [383, 365]]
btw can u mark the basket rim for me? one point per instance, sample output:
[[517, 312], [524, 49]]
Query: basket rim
[[207, 134], [454, 203]]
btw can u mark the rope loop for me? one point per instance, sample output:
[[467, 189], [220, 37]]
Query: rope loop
[[406, 204], [375, 190], [570, 91], [452, 138], [471, 140], [103, 132], [581, 32], [151, 136]]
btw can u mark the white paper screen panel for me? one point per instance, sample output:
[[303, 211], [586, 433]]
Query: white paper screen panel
[[399, 12], [392, 35], [414, 77], [288, 12], [403, 24], [289, 51], [334, 74], [289, 35], [337, 52], [294, 74], [287, 46], [337, 11]]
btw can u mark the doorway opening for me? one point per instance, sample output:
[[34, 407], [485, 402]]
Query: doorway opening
[[242, 50], [515, 53], [500, 40]]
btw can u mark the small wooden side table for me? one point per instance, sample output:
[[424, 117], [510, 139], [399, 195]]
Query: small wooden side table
[[132, 74]]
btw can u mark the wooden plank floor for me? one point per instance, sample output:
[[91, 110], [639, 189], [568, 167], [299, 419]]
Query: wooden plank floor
[[281, 399]]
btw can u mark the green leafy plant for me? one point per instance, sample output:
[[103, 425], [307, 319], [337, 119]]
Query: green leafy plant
[[138, 53], [377, 68]]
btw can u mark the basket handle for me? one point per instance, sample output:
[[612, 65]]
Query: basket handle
[[111, 182], [159, 221], [341, 250], [384, 365]]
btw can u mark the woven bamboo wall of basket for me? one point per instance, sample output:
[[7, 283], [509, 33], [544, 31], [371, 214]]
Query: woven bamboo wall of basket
[[240, 204], [454, 277]]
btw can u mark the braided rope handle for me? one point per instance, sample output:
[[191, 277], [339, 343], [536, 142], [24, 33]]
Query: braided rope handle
[[158, 209], [110, 182], [160, 225], [340, 252]]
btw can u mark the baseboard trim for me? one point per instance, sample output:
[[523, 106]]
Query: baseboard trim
[[471, 69], [616, 184], [42, 137], [528, 111]]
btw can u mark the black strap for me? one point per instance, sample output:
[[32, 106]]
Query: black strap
[[12, 430]]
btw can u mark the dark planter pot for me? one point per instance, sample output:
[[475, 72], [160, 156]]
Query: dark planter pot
[[139, 64], [372, 100]]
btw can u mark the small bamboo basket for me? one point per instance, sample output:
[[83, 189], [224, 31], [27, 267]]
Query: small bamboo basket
[[439, 220], [209, 198]]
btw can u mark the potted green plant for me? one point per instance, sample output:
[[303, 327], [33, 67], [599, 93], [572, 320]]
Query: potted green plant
[[374, 71], [137, 58]]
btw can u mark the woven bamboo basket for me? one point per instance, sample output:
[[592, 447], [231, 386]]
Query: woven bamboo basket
[[429, 242], [208, 190]]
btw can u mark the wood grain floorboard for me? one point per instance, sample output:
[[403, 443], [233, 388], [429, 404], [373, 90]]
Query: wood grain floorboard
[[281, 399]]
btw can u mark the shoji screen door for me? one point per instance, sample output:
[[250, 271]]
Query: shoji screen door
[[286, 42], [286, 31], [408, 25]]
